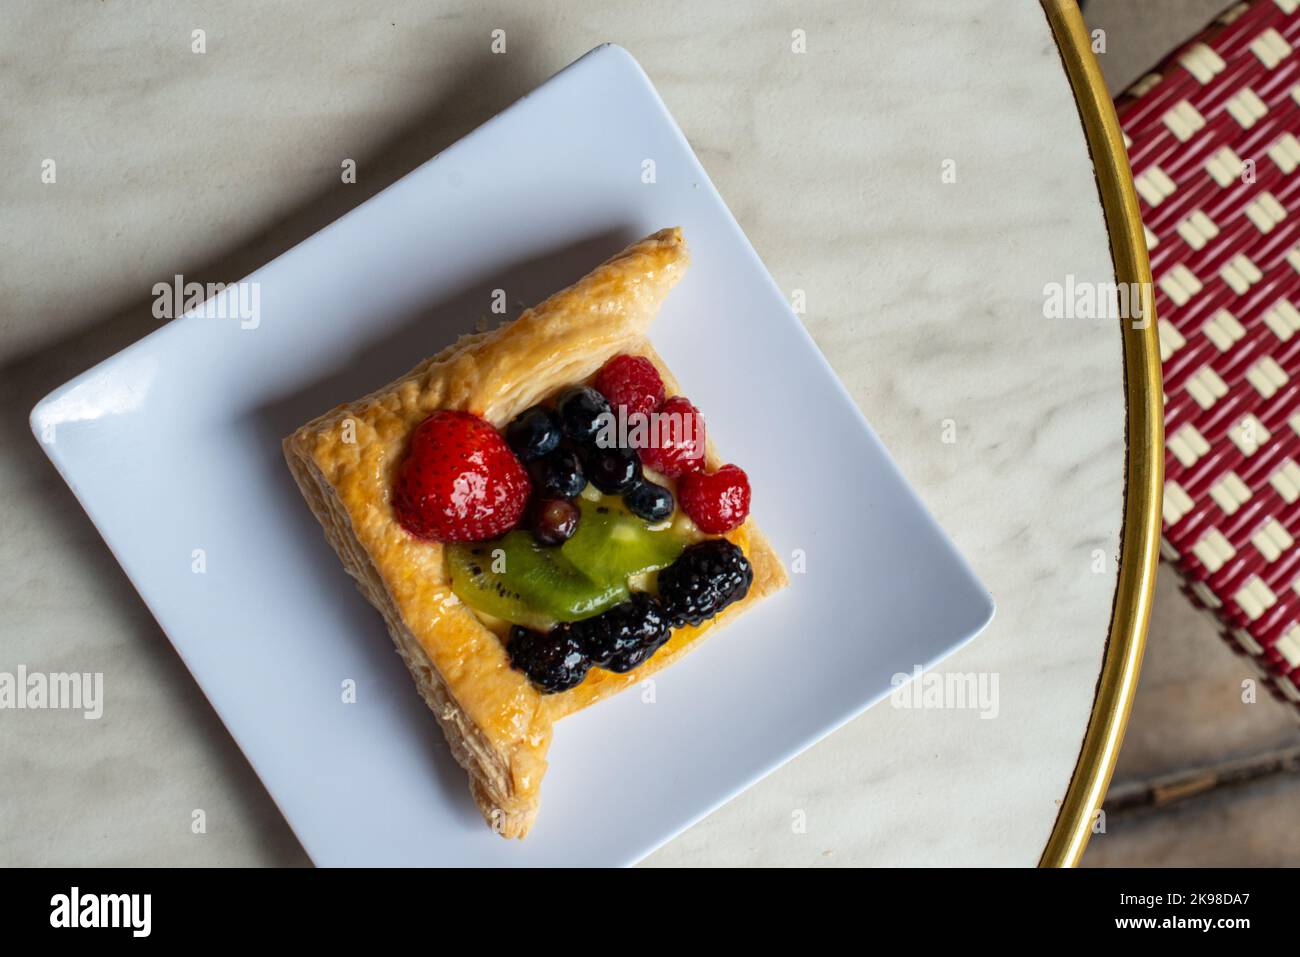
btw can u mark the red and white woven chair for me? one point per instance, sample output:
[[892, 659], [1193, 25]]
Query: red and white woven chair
[[1214, 141]]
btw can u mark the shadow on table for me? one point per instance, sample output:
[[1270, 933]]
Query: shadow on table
[[481, 90]]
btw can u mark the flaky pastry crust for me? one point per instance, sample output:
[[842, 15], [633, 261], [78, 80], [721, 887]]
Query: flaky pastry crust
[[497, 724]]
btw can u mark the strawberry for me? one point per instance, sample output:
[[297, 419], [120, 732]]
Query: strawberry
[[675, 444], [460, 482], [631, 383], [716, 501]]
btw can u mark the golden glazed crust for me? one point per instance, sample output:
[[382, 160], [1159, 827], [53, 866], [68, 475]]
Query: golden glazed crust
[[497, 724]]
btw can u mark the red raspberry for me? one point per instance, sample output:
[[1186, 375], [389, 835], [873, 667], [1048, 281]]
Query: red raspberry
[[460, 482], [631, 382], [716, 501], [675, 444]]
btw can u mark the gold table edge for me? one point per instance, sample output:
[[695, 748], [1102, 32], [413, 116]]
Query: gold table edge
[[1144, 460]]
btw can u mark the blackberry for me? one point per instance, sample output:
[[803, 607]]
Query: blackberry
[[705, 579], [553, 661], [625, 635], [617, 640]]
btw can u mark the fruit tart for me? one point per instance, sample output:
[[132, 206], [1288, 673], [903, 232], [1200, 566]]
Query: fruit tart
[[540, 517]]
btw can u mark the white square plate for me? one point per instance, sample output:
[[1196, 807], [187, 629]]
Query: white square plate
[[173, 446]]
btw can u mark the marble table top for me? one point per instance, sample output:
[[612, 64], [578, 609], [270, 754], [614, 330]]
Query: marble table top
[[915, 170]]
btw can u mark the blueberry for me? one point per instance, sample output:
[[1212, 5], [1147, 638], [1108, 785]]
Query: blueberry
[[554, 520], [558, 475], [582, 411], [533, 433], [647, 500], [613, 470]]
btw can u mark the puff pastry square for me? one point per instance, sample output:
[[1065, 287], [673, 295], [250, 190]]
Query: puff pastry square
[[497, 724]]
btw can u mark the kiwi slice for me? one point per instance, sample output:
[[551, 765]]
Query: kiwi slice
[[611, 544], [517, 579]]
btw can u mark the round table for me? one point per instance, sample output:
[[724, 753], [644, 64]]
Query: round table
[[918, 172]]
